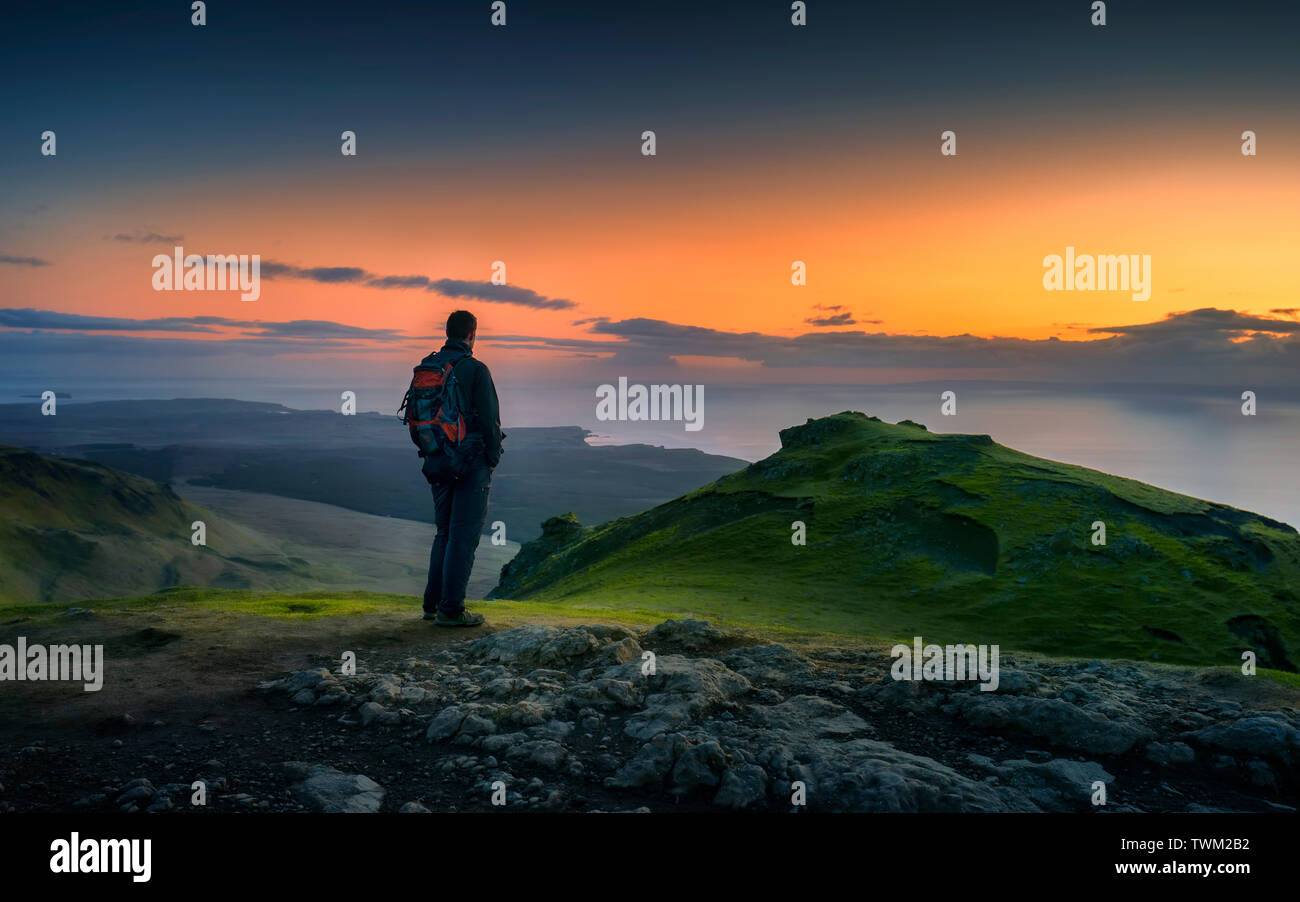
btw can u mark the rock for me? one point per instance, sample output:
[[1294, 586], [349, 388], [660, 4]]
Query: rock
[[552, 729], [174, 789], [621, 652], [605, 693], [524, 713], [139, 790], [1260, 774], [650, 765], [330, 791], [740, 723], [334, 695], [1051, 719], [568, 645], [699, 766], [742, 786], [769, 664], [683, 689], [686, 635], [1057, 785], [372, 712], [863, 775], [504, 687], [543, 752], [299, 680], [446, 724], [813, 716], [386, 690], [920, 696], [1262, 735], [476, 724], [413, 808], [534, 644], [304, 697], [1018, 682], [1170, 754], [501, 742]]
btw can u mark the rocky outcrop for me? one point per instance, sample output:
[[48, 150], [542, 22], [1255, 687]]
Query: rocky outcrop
[[331, 791], [686, 713]]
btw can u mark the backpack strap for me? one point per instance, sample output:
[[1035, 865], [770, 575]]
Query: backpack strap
[[465, 408], [403, 410]]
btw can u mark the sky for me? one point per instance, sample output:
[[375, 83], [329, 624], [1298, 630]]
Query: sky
[[774, 144]]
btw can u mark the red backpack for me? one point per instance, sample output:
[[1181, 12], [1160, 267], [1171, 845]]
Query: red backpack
[[431, 410]]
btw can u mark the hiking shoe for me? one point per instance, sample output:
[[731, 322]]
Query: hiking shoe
[[428, 616], [464, 618]]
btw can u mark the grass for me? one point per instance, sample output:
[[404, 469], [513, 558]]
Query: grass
[[214, 614], [949, 537], [909, 533]]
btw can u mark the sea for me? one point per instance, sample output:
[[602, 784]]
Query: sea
[[1192, 440]]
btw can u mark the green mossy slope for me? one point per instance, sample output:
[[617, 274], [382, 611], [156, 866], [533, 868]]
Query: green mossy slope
[[951, 537]]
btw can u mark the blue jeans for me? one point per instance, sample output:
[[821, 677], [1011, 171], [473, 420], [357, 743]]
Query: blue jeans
[[460, 510]]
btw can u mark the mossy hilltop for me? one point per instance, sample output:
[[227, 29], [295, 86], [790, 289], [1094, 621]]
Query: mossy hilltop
[[951, 537]]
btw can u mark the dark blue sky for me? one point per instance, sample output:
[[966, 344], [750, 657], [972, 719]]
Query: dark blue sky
[[262, 80]]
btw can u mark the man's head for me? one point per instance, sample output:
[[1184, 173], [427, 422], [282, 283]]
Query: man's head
[[463, 325]]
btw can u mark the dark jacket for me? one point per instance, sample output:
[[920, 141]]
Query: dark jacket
[[478, 394]]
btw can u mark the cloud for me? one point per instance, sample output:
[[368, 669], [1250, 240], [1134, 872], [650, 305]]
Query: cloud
[[1205, 321], [399, 282], [312, 328], [47, 346], [1197, 346], [149, 238], [498, 294], [845, 318], [837, 319], [24, 261], [28, 318], [330, 275], [450, 288], [535, 343]]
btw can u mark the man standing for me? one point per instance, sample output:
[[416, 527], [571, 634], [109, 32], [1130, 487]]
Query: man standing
[[460, 501]]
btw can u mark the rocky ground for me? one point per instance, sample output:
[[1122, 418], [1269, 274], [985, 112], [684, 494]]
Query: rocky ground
[[565, 718]]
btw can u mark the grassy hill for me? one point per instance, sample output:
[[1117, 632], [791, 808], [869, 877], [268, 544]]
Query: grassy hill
[[365, 462], [73, 529], [951, 537], [76, 529]]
